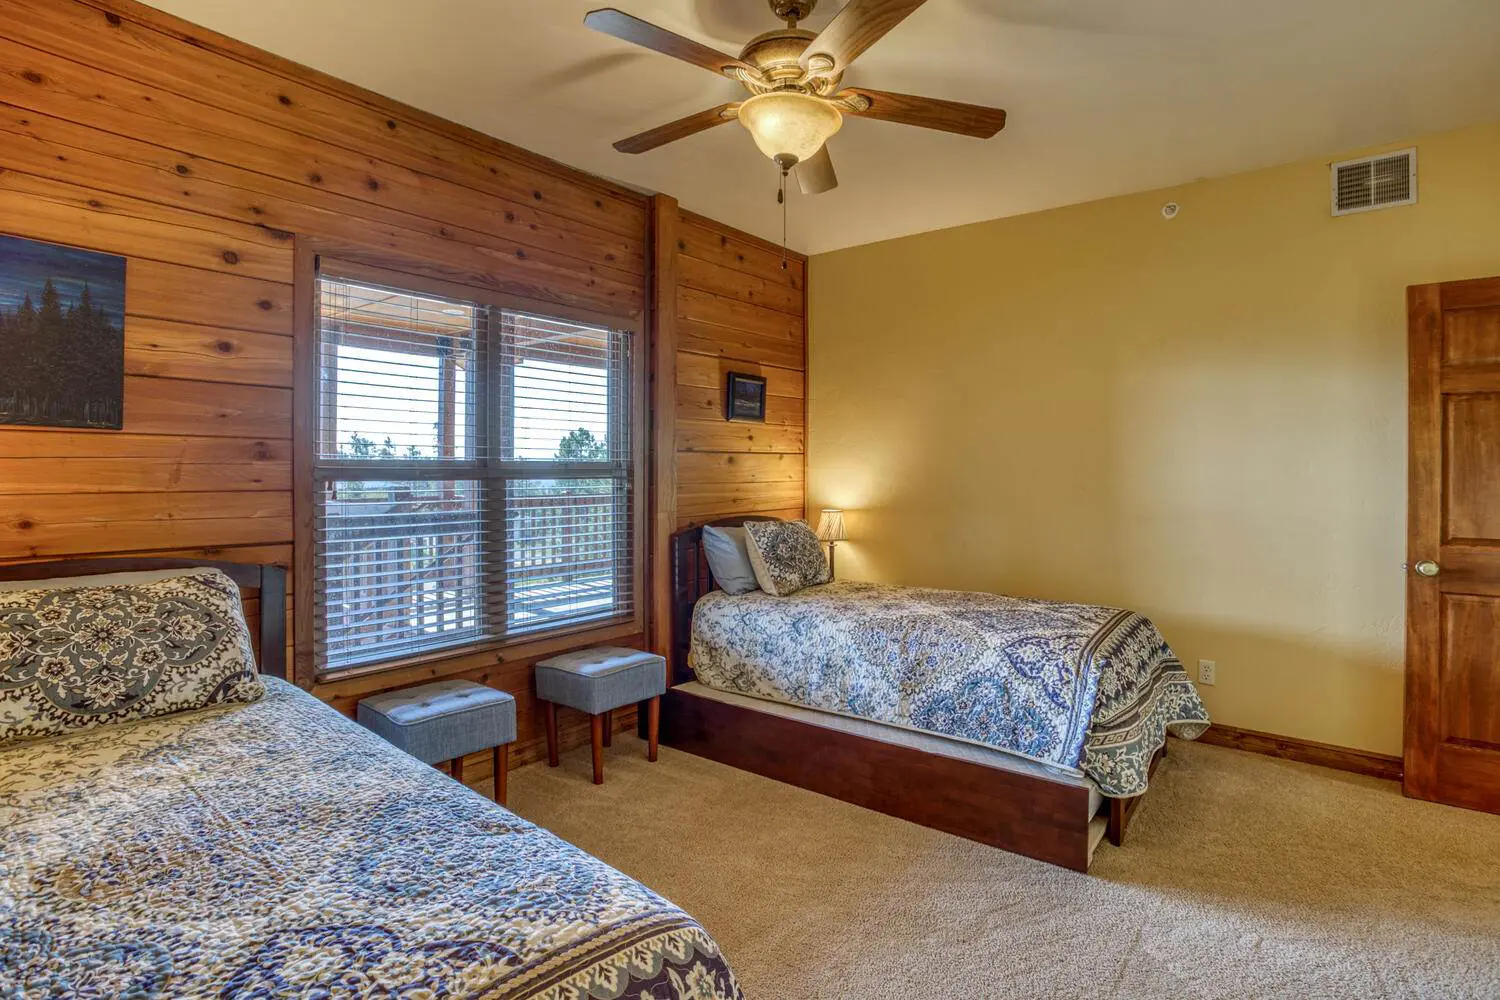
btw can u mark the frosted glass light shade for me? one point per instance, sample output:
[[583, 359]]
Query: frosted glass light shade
[[831, 526], [788, 124]]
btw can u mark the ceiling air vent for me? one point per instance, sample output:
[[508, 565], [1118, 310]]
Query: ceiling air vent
[[1382, 181]]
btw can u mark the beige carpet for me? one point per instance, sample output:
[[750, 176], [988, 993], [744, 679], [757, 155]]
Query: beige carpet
[[1243, 877]]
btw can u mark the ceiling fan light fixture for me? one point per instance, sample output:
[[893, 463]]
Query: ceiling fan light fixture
[[794, 78], [788, 126]]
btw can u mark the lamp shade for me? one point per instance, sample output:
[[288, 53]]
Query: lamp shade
[[788, 124], [831, 525]]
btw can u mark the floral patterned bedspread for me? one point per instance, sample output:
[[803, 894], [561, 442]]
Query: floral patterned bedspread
[[279, 850], [1087, 688]]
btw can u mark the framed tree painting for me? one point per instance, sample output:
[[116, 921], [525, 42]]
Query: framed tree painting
[[745, 397], [62, 335]]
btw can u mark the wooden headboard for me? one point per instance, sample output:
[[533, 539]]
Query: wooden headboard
[[690, 581], [265, 586]]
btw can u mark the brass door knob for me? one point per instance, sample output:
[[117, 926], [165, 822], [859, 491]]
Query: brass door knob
[[1427, 567]]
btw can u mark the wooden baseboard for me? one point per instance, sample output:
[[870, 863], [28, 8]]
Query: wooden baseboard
[[1376, 765]]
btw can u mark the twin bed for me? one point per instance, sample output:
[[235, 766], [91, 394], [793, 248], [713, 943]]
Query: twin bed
[[276, 848], [1030, 725]]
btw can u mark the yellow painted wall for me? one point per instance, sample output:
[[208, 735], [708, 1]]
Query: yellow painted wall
[[1202, 419]]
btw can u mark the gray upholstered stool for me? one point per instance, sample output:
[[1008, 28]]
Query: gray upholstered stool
[[445, 720], [598, 681]]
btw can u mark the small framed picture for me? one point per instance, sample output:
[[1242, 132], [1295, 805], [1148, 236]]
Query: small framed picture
[[745, 398]]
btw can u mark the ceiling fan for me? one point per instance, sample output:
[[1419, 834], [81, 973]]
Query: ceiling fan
[[795, 103]]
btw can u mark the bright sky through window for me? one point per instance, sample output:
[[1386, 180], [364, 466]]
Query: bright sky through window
[[553, 400], [390, 398], [398, 402]]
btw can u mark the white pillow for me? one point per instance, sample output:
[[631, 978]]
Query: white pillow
[[729, 560]]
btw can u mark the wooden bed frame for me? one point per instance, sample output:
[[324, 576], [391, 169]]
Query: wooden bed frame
[[1021, 812], [264, 584]]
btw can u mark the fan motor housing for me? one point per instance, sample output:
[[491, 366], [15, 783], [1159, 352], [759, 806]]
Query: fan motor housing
[[777, 53], [793, 10]]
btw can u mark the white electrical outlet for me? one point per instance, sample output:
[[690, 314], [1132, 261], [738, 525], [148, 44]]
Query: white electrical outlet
[[1206, 670]]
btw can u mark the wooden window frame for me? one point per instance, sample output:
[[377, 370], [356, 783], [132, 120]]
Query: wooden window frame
[[415, 276]]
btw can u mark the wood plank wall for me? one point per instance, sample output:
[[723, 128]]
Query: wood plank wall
[[721, 301], [738, 309], [198, 158]]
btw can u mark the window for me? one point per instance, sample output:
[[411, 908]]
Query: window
[[472, 473]]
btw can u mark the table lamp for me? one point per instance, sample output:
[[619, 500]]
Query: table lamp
[[831, 530]]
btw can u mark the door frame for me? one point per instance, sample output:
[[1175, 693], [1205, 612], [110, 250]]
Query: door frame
[[1424, 513]]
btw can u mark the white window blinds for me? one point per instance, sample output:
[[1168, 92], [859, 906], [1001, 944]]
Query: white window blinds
[[473, 474]]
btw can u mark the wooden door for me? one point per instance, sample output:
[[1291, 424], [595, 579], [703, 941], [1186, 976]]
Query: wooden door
[[1453, 545]]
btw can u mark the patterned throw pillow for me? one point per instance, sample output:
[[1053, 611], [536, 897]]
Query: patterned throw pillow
[[75, 657], [787, 556]]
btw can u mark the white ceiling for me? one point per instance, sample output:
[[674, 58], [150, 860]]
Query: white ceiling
[[1105, 96]]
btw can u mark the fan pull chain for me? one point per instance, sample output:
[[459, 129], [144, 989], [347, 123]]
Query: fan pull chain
[[781, 200]]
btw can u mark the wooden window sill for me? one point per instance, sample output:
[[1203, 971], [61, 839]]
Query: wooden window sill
[[438, 664]]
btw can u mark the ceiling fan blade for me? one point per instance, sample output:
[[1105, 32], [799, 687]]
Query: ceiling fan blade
[[632, 29], [859, 25], [815, 174], [680, 129], [929, 112]]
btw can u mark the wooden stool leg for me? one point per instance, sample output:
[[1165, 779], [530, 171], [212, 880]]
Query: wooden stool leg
[[458, 770], [502, 771], [653, 724], [596, 725], [609, 729], [551, 733]]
